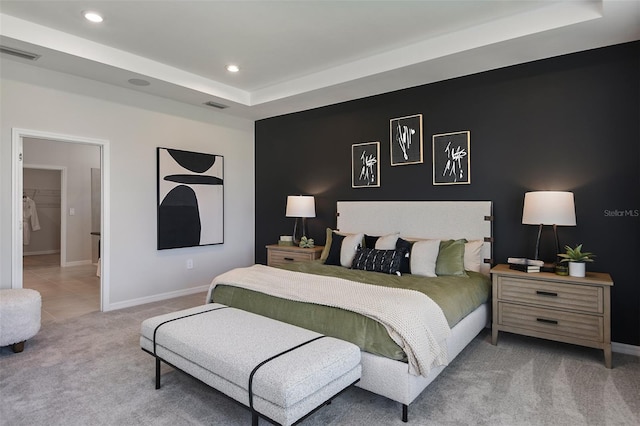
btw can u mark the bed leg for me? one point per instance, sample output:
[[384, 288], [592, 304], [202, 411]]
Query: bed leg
[[157, 373], [405, 413]]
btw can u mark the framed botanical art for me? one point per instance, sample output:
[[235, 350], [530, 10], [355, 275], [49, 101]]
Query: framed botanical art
[[406, 140], [451, 162], [365, 165], [190, 198]]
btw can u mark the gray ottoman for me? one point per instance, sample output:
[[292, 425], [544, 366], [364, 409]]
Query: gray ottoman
[[280, 371]]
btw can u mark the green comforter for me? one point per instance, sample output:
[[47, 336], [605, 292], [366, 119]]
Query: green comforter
[[456, 296]]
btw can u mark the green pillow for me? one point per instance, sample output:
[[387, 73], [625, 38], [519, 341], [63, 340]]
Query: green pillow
[[450, 259]]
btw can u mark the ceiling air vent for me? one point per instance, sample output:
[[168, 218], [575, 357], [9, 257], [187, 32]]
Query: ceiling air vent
[[216, 105], [19, 53]]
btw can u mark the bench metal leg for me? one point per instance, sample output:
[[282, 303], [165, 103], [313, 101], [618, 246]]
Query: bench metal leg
[[405, 413], [157, 373]]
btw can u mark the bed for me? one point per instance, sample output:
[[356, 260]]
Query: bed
[[391, 364]]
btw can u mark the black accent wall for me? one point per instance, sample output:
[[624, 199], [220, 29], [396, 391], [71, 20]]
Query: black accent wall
[[567, 123]]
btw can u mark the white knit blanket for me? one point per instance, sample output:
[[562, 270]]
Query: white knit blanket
[[414, 321]]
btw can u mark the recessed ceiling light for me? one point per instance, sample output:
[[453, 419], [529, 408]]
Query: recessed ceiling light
[[92, 16], [233, 68]]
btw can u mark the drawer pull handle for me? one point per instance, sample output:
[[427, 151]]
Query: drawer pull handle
[[547, 321], [546, 293], [291, 259]]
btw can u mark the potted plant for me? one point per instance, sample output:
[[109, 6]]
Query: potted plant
[[577, 259], [306, 242]]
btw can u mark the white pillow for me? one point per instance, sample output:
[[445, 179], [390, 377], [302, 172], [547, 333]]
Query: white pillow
[[348, 249], [387, 242], [473, 255], [424, 254]]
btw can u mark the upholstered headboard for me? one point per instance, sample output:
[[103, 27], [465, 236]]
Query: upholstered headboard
[[422, 219]]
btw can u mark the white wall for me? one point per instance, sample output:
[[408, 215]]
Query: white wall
[[134, 124]]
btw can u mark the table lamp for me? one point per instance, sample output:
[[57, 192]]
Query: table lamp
[[554, 208], [300, 206]]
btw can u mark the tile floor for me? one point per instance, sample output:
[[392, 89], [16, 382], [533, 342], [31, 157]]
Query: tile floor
[[66, 292]]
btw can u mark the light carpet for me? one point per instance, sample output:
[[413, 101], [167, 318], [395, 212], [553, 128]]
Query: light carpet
[[90, 371]]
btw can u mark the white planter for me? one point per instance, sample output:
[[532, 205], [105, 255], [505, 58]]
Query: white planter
[[577, 269]]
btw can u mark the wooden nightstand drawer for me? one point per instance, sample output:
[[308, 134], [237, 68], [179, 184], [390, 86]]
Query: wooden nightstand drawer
[[541, 304], [281, 255], [551, 322], [554, 295], [278, 257]]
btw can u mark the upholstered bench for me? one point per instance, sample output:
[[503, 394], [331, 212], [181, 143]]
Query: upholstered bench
[[281, 372], [19, 316]]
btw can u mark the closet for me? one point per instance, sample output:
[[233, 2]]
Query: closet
[[41, 200]]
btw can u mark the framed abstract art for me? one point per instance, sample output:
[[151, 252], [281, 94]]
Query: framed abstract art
[[365, 165], [406, 140], [451, 161], [190, 198]]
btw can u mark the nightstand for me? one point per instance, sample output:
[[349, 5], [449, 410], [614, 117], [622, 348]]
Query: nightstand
[[280, 255], [549, 306]]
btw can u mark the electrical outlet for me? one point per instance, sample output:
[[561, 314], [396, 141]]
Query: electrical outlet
[[189, 263]]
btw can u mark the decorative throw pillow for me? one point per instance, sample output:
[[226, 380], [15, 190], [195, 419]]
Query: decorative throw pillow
[[404, 246], [424, 255], [473, 255], [450, 258], [327, 245], [350, 244], [367, 259], [387, 242], [335, 247], [370, 241]]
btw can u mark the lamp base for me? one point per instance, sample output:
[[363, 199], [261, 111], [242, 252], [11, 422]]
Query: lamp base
[[296, 237]]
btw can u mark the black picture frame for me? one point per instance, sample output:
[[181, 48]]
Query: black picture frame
[[405, 140], [190, 197], [365, 165], [451, 158]]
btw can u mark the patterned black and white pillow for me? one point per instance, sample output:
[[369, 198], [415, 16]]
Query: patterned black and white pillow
[[387, 261], [343, 249]]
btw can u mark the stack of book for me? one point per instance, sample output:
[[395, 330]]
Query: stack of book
[[285, 240], [525, 265]]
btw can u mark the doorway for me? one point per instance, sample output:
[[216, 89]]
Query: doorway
[[74, 261], [68, 288]]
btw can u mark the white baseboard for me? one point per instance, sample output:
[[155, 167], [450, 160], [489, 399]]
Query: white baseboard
[[77, 263], [38, 253], [623, 348], [156, 298]]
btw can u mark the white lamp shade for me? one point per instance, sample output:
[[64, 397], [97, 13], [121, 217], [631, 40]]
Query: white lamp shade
[[301, 206], [549, 208]]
